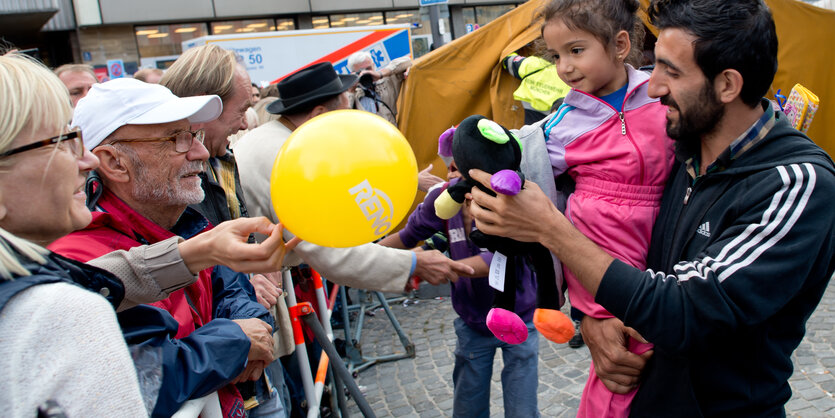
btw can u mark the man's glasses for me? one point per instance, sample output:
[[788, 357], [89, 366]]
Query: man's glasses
[[73, 139], [182, 140]]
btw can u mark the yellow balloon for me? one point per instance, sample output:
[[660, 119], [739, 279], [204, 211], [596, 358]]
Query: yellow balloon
[[343, 178]]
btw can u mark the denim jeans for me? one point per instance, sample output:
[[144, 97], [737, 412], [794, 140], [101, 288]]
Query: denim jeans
[[474, 355], [276, 403]]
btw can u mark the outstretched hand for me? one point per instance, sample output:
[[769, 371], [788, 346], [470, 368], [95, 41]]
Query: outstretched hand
[[519, 217], [426, 179], [226, 245], [436, 268]]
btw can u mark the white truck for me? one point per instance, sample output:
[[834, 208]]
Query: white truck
[[271, 56]]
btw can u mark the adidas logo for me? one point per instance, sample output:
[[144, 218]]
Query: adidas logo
[[704, 229]]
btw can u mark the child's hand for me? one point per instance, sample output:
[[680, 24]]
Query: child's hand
[[426, 179]]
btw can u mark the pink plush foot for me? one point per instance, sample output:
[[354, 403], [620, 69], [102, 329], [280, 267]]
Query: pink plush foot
[[507, 326]]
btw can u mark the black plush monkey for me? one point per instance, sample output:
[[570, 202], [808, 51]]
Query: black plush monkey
[[483, 144]]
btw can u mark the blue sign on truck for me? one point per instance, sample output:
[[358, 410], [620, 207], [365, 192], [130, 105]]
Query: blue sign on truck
[[269, 57]]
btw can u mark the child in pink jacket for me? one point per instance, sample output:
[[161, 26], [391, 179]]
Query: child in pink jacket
[[609, 136]]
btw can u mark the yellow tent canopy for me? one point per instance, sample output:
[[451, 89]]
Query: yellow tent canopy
[[465, 77], [462, 78], [803, 31]]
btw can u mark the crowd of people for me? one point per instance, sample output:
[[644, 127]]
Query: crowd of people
[[141, 258]]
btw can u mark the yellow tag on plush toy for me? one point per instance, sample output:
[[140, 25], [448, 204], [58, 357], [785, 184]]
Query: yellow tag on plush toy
[[801, 107]]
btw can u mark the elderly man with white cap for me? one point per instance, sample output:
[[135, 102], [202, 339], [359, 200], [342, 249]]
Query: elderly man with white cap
[[212, 333]]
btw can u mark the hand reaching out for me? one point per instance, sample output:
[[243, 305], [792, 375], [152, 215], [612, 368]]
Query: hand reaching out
[[226, 244], [436, 268]]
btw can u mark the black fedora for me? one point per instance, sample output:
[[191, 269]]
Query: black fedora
[[309, 85]]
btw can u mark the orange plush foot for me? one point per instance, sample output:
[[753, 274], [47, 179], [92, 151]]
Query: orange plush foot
[[554, 325]]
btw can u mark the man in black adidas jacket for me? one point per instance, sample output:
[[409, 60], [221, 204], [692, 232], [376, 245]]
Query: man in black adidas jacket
[[742, 250]]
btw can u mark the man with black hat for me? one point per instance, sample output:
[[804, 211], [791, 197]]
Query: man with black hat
[[304, 95]]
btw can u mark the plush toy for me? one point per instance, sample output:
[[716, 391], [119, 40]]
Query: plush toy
[[483, 144]]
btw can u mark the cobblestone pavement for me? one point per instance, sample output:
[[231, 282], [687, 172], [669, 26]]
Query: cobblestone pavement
[[422, 386]]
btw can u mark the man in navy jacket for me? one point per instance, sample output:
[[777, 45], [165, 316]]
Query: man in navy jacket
[[742, 250]]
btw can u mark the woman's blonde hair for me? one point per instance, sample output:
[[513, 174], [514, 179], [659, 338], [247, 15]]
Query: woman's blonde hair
[[12, 248], [32, 98]]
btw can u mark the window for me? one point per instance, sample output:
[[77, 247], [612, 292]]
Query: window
[[469, 16], [421, 26], [347, 20], [320, 22], [243, 26], [475, 17], [285, 24], [403, 16], [487, 14], [356, 19], [160, 40]]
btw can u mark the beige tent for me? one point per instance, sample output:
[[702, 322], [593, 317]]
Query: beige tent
[[804, 33], [465, 77]]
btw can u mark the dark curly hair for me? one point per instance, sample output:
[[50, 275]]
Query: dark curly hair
[[730, 34]]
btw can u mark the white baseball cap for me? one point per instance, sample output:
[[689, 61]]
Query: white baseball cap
[[127, 101]]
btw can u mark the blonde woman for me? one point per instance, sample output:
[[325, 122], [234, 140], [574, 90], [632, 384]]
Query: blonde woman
[[61, 347]]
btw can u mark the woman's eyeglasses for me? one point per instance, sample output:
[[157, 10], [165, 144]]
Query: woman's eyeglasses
[[182, 140], [73, 140]]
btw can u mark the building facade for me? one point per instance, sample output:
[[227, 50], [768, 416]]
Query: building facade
[[150, 32]]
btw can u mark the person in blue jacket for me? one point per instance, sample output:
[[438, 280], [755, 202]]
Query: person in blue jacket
[[741, 252]]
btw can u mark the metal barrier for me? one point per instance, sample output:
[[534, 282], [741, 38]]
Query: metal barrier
[[205, 407], [306, 313], [357, 362], [330, 363]]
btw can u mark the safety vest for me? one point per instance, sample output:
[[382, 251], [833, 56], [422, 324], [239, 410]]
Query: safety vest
[[541, 86]]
